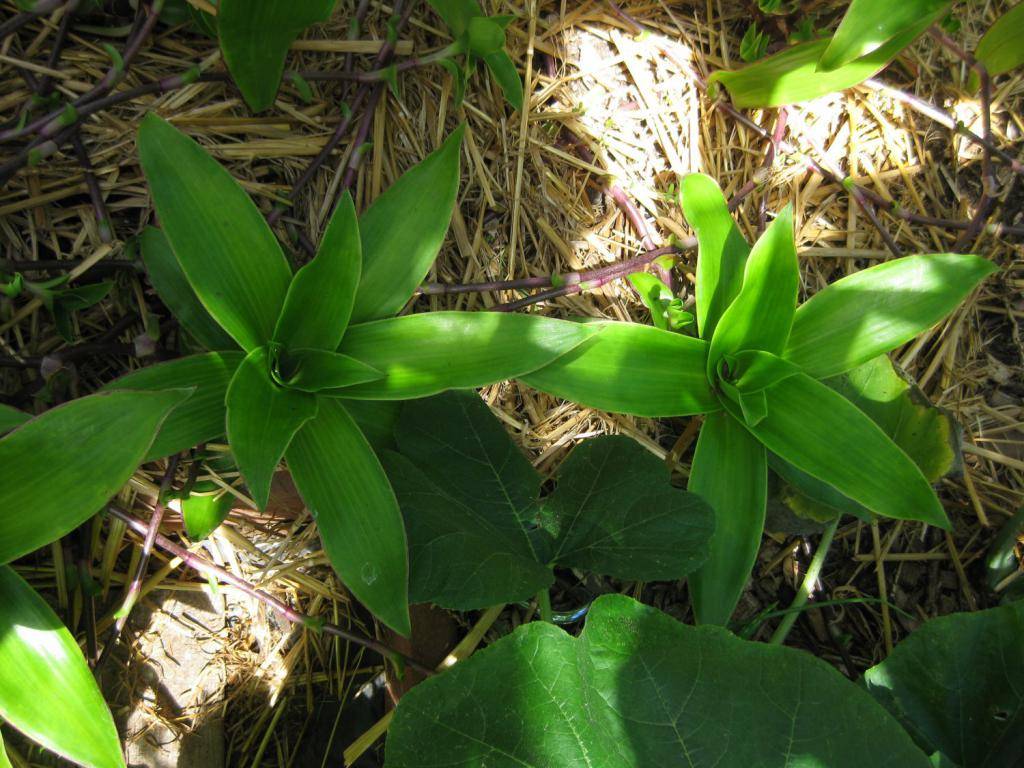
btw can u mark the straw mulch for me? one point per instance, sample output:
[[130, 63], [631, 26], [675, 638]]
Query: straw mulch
[[532, 203]]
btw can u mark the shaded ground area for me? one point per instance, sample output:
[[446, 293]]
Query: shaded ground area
[[609, 112]]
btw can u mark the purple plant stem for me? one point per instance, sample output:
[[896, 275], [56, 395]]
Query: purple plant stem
[[16, 22], [99, 207], [761, 176], [204, 566], [45, 85]]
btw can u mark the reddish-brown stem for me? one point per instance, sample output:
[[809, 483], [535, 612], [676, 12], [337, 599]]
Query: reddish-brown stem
[[204, 566], [99, 207]]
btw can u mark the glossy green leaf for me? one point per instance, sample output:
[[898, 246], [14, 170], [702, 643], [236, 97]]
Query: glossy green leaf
[[640, 689], [869, 24], [5, 761], [204, 509], [615, 513], [666, 310], [456, 13], [1000, 49], [505, 74], [199, 419], [876, 310], [255, 36], [47, 691], [730, 473], [957, 683], [322, 293], [480, 536], [262, 418], [376, 419], [11, 418], [822, 433], [176, 293], [632, 368], [425, 354], [224, 246], [791, 76], [722, 249], [314, 370], [60, 468], [761, 315], [403, 230], [469, 498], [360, 525]]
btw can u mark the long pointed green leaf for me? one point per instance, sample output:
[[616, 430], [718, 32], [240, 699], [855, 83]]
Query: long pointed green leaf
[[869, 24], [255, 36], [1000, 49], [315, 370], [11, 418], [722, 253], [761, 315], [632, 368], [878, 309], [322, 293], [425, 354], [791, 76], [199, 419], [5, 761], [403, 230], [174, 290], [730, 472], [822, 433], [503, 69], [224, 245], [262, 418], [60, 468], [346, 490], [46, 689]]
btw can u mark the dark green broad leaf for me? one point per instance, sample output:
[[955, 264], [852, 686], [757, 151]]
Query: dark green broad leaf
[[262, 418], [204, 508], [638, 688], [199, 419], [224, 245], [60, 468], [47, 691], [738, 495], [403, 230], [929, 435], [792, 75], [321, 295], [957, 684], [255, 36], [722, 249], [873, 311], [422, 355], [11, 418], [481, 535], [623, 369], [1000, 49], [761, 315], [175, 292], [505, 74], [347, 492], [376, 419], [869, 24], [823, 434], [315, 370]]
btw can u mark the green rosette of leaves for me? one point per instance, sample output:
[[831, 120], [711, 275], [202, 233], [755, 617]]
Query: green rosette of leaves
[[756, 372], [298, 360]]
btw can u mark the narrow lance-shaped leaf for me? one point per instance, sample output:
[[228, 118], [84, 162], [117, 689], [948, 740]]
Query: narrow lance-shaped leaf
[[761, 315], [822, 433], [632, 368], [47, 691], [199, 419], [321, 295], [640, 689], [172, 286], [403, 230], [730, 473], [422, 355], [791, 76], [722, 253], [60, 468], [878, 309], [314, 370], [507, 77], [347, 492], [224, 245], [1000, 49], [255, 36], [869, 24], [262, 417]]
